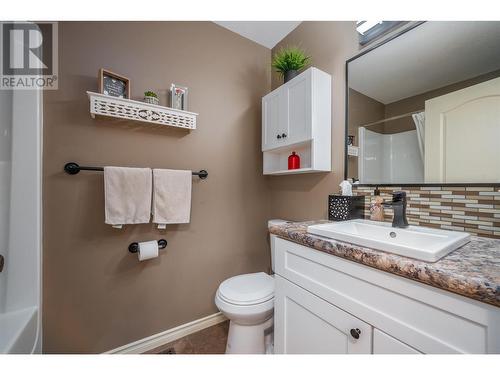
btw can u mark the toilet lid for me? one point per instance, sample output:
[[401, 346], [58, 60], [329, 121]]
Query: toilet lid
[[247, 289]]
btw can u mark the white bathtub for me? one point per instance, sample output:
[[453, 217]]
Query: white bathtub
[[19, 331], [20, 221]]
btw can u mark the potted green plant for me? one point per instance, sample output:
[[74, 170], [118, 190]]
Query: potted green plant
[[288, 61], [151, 98]]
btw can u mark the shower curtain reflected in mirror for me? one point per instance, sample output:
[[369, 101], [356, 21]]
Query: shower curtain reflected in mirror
[[419, 120]]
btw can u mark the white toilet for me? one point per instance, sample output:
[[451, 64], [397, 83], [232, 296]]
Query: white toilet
[[248, 302]]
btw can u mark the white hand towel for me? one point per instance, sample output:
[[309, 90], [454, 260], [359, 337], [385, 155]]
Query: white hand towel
[[171, 196], [127, 195]]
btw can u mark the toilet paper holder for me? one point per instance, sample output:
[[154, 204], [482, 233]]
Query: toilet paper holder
[[134, 246]]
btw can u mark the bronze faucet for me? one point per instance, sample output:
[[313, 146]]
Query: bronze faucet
[[398, 205]]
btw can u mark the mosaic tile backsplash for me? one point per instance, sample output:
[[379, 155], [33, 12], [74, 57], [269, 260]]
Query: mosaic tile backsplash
[[472, 209]]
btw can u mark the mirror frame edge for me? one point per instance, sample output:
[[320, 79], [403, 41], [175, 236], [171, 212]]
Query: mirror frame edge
[[370, 47]]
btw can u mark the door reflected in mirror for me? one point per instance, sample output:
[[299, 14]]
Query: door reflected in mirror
[[424, 107]]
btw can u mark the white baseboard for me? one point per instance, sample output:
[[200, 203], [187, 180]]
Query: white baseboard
[[162, 338]]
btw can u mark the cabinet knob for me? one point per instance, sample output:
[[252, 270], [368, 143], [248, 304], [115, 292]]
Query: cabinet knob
[[278, 136], [283, 135], [355, 332]]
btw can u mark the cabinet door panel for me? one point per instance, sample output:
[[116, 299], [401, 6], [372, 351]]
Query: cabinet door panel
[[299, 103], [306, 324], [385, 344], [271, 120]]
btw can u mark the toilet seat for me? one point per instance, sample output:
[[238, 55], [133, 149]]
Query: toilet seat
[[248, 289]]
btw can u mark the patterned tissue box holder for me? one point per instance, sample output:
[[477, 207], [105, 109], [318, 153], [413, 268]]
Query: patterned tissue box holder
[[341, 207]]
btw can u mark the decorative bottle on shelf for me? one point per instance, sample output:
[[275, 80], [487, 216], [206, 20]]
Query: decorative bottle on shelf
[[294, 161]]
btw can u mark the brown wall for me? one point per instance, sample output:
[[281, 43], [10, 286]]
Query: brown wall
[[329, 44], [97, 296]]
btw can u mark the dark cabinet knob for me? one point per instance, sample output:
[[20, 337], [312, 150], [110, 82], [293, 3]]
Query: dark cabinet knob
[[278, 136], [355, 332], [283, 135]]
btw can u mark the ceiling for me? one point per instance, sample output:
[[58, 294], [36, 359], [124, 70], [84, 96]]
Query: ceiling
[[266, 33], [433, 55]]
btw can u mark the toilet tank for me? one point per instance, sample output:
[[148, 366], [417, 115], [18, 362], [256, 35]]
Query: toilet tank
[[272, 237]]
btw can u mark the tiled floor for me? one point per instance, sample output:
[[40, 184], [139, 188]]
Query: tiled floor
[[211, 340]]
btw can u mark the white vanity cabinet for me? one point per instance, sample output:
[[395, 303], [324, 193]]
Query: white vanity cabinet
[[326, 304], [297, 117]]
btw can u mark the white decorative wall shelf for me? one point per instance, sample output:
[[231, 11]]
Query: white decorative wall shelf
[[109, 106]]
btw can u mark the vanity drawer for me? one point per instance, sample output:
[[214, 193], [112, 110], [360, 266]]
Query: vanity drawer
[[426, 318]]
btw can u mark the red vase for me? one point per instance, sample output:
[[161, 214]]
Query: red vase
[[294, 161]]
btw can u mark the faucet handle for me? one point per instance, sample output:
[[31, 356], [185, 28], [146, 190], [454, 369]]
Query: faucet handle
[[399, 196]]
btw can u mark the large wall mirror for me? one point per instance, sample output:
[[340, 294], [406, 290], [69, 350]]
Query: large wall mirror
[[424, 107]]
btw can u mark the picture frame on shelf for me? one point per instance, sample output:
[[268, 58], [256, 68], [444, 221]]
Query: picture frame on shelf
[[113, 84], [178, 97]]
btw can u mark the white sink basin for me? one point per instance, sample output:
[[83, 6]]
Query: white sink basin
[[422, 243]]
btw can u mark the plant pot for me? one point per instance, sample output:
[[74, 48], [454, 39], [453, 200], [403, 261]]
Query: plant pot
[[151, 100], [289, 74]]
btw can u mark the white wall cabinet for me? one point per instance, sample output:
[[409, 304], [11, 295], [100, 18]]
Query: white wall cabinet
[[320, 298], [297, 117]]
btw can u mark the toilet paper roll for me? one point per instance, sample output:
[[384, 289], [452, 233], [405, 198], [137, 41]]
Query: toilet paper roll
[[147, 250]]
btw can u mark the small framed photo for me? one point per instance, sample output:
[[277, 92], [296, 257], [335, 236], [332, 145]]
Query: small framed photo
[[113, 84], [178, 97], [350, 140]]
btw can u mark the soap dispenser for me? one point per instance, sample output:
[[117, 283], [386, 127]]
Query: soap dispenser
[[376, 206]]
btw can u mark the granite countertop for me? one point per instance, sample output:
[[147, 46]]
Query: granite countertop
[[472, 271]]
